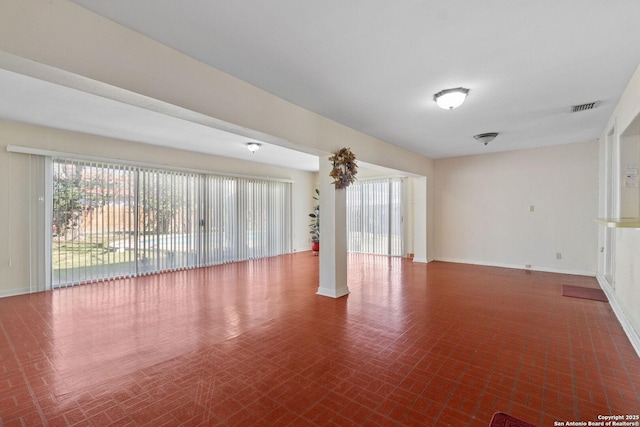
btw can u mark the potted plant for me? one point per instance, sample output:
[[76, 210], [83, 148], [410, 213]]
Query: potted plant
[[315, 225]]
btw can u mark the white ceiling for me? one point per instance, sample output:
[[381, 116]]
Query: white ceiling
[[374, 65]]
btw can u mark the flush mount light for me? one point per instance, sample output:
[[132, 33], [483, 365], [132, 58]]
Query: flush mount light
[[253, 146], [486, 138], [450, 98]]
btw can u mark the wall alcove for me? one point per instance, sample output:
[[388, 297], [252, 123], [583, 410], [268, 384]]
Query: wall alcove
[[628, 182]]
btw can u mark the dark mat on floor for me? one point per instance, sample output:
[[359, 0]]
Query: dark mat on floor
[[500, 419], [584, 293]]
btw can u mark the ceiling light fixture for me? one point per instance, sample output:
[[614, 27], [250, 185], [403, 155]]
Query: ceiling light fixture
[[450, 98], [253, 146], [486, 138]]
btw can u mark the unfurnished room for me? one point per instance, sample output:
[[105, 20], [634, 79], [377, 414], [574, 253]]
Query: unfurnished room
[[330, 213]]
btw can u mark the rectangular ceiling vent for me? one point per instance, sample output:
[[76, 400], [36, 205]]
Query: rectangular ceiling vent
[[584, 107]]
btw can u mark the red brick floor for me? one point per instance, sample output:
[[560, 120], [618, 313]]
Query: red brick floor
[[250, 344]]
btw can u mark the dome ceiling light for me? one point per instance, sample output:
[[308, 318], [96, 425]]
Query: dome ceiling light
[[486, 138], [449, 99], [253, 146]]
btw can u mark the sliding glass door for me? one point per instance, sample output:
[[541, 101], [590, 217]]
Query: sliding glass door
[[93, 222], [374, 216], [166, 214], [117, 221], [245, 219]]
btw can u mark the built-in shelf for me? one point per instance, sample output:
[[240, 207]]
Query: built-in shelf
[[619, 222]]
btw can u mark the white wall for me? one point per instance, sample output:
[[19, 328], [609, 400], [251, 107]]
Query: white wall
[[624, 292], [482, 208], [16, 182]]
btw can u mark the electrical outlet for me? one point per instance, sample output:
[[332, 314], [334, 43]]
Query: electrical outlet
[[532, 208], [558, 255]]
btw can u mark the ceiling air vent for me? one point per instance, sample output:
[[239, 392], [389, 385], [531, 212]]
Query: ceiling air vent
[[584, 107]]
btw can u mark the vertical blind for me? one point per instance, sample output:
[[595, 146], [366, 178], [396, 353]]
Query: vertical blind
[[118, 221], [245, 219], [167, 219], [374, 216]]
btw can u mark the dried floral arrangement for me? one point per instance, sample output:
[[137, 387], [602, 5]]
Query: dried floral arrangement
[[344, 168]]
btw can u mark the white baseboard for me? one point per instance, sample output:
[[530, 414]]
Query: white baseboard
[[14, 292], [333, 293], [631, 333], [520, 267], [422, 260]]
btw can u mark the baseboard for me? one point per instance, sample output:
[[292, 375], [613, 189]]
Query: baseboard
[[333, 293], [422, 260], [520, 267], [631, 333], [14, 292]]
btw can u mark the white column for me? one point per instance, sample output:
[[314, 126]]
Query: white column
[[333, 235], [420, 219]]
